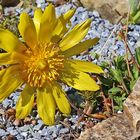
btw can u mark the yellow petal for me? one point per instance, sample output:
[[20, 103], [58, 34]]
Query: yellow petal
[[27, 30], [48, 23], [19, 57], [37, 19], [9, 71], [79, 80], [9, 42], [46, 106], [84, 66], [68, 15], [2, 73], [9, 82], [25, 102], [7, 58], [80, 47], [61, 28], [61, 100], [75, 35]]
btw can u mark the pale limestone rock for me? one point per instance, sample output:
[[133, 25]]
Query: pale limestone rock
[[132, 107], [115, 128], [108, 9]]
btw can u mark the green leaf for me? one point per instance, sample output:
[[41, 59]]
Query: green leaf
[[106, 81], [134, 5], [136, 18], [95, 55], [115, 90], [138, 55], [118, 108], [117, 74], [118, 61], [132, 83], [135, 72], [104, 65]]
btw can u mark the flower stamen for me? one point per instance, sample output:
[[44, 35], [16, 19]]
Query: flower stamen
[[42, 66]]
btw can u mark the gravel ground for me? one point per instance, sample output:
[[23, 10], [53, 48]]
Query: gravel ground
[[69, 128]]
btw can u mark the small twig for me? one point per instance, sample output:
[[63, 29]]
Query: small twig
[[126, 32], [100, 51], [112, 103], [105, 102], [124, 86], [123, 38]]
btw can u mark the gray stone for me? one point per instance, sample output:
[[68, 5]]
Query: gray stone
[[80, 10], [10, 128], [2, 132], [39, 125], [59, 126], [25, 134], [40, 2], [36, 135], [44, 131], [24, 128], [54, 135], [6, 103], [14, 132], [47, 138], [63, 131], [73, 127], [65, 8], [51, 129], [74, 119], [105, 34], [84, 15], [58, 138]]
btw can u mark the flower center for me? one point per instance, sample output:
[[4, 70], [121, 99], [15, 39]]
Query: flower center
[[43, 65]]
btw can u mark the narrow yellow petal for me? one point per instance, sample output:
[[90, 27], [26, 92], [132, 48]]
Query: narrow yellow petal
[[68, 15], [79, 80], [37, 19], [75, 35], [2, 73], [10, 71], [9, 42], [61, 100], [25, 102], [7, 58], [9, 83], [27, 30], [80, 47], [61, 28], [48, 23], [84, 66], [46, 106]]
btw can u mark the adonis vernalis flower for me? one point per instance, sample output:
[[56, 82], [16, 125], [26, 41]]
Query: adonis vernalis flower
[[43, 61]]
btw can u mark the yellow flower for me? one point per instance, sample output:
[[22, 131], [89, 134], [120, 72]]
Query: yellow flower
[[43, 61]]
